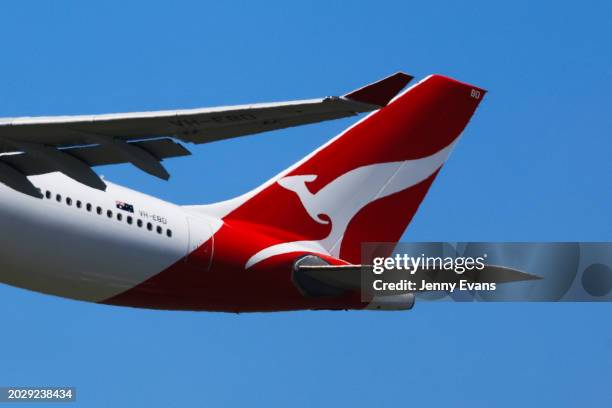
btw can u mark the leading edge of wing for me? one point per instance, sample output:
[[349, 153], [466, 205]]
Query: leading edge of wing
[[73, 144], [367, 98]]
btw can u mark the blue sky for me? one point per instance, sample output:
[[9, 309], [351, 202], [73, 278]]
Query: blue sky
[[534, 165]]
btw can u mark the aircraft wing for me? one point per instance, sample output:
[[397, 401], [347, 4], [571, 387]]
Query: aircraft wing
[[73, 144]]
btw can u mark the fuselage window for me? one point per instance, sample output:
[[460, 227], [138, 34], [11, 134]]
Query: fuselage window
[[109, 213]]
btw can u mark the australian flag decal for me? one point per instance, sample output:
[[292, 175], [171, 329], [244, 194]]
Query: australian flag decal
[[125, 206]]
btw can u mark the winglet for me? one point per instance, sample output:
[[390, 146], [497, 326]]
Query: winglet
[[381, 92]]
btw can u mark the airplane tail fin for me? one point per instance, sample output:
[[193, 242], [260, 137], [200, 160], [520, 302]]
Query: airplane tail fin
[[366, 184]]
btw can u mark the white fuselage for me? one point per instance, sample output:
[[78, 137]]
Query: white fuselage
[[75, 241]]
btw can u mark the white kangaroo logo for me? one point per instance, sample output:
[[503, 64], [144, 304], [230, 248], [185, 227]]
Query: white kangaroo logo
[[344, 197], [297, 184]]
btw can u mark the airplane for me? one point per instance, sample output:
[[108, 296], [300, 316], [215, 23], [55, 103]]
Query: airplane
[[68, 232]]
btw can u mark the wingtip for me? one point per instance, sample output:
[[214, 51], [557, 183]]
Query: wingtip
[[381, 92]]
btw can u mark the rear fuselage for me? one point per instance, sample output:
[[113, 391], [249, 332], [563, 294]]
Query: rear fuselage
[[126, 248]]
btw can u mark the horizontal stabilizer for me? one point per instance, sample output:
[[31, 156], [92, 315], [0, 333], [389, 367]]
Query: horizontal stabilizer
[[338, 276], [350, 276], [489, 274]]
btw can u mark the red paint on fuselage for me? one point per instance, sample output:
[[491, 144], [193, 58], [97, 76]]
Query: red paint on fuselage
[[228, 286]]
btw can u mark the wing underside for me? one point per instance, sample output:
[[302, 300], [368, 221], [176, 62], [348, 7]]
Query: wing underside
[[74, 144]]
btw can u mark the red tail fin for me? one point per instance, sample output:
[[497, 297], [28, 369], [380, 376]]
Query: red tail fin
[[366, 184]]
